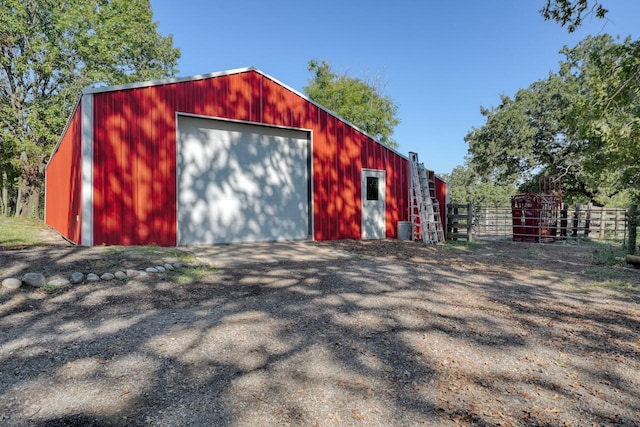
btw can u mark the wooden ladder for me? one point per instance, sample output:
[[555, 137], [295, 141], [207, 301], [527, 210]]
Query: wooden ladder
[[424, 216]]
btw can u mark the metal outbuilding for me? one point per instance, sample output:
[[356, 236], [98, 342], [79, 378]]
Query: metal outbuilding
[[235, 156]]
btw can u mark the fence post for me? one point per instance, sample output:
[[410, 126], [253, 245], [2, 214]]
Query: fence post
[[563, 220], [469, 222], [576, 220], [602, 221], [487, 220], [587, 222], [633, 224], [456, 212]]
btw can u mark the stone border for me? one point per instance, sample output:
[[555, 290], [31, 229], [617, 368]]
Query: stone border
[[38, 280]]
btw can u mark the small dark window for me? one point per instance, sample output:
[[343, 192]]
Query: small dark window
[[372, 188]]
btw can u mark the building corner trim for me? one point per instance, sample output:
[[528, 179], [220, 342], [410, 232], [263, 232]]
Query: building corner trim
[[86, 238]]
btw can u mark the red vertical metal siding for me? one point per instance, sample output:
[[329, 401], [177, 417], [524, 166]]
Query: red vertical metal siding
[[441, 195], [135, 156], [134, 167], [63, 192]]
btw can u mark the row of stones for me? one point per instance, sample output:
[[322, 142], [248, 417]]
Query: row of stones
[[38, 280]]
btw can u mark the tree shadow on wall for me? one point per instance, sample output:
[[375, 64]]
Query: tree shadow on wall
[[241, 183]]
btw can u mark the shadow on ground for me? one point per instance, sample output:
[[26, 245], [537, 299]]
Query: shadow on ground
[[338, 339]]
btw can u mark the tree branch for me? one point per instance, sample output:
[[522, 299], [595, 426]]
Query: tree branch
[[621, 88]]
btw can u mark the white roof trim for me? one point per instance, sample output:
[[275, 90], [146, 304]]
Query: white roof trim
[[90, 90], [167, 81]]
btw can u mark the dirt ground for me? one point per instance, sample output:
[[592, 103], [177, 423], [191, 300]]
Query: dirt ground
[[325, 333]]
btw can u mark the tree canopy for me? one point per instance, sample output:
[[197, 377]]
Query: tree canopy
[[50, 51], [570, 13], [465, 185], [354, 99], [582, 123]]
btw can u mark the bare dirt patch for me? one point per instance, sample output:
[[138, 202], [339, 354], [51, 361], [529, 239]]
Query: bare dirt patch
[[366, 333]]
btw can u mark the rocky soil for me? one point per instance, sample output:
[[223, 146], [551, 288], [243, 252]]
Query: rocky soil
[[326, 333]]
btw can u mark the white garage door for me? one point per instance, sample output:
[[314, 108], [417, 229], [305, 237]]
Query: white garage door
[[241, 183]]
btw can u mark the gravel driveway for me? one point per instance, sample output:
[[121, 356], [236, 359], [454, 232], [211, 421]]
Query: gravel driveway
[[340, 333]]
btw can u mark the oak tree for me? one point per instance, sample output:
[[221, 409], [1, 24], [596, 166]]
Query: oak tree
[[465, 185], [358, 101], [582, 123], [51, 49], [571, 13]]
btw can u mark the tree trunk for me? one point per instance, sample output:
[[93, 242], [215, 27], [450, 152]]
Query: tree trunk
[[633, 224], [4, 202], [19, 199], [29, 190], [28, 201], [33, 203]]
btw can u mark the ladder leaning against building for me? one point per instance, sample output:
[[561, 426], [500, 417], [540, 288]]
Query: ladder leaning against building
[[424, 208]]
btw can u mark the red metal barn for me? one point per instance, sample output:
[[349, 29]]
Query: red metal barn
[[226, 157]]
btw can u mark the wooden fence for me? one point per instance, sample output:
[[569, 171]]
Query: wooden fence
[[466, 221], [460, 219]]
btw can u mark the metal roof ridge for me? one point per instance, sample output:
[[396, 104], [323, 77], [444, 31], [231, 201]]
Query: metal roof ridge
[[168, 80]]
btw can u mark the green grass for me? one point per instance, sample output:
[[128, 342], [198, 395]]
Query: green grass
[[622, 285], [604, 273], [614, 284], [463, 245], [601, 278], [582, 286], [607, 254], [51, 289], [534, 253], [105, 263], [20, 231], [152, 251], [187, 275]]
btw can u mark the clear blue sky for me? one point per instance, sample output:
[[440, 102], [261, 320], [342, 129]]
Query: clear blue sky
[[441, 60]]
